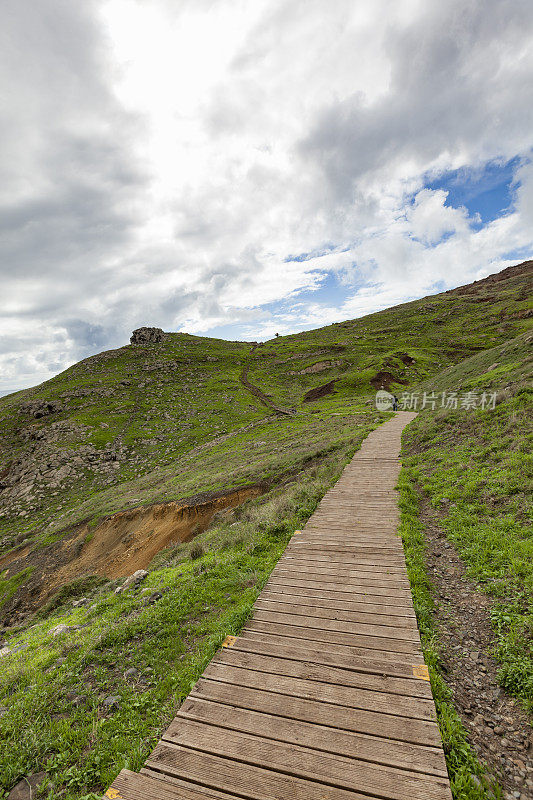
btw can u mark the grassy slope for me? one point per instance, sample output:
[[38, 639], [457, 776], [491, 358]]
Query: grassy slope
[[158, 403], [184, 432], [54, 688], [475, 468]]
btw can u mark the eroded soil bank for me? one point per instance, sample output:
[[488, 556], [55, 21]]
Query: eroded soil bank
[[118, 546], [129, 541]]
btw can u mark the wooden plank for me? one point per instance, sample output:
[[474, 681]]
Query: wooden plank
[[400, 598], [316, 710], [317, 600], [247, 781], [361, 562], [350, 573], [356, 658], [366, 615], [346, 696], [349, 541], [344, 568], [307, 670], [347, 578], [346, 544], [359, 586], [134, 786], [300, 761], [334, 637], [411, 757], [390, 632]]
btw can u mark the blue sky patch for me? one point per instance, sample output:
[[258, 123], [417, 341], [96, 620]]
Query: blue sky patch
[[486, 192]]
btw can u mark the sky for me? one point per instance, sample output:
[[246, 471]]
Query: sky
[[239, 169]]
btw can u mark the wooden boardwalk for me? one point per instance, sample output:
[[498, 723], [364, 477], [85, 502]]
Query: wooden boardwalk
[[324, 695]]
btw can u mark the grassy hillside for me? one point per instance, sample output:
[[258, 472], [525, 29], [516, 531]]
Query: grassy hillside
[[133, 418], [466, 498], [82, 704], [100, 463]]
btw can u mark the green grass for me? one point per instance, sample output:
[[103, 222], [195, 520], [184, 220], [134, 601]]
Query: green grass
[[182, 424], [160, 402], [475, 469], [467, 777], [209, 588], [8, 586]]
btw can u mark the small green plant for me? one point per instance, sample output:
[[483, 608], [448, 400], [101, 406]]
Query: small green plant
[[196, 551]]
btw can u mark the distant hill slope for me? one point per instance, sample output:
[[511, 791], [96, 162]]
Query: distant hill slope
[[190, 418]]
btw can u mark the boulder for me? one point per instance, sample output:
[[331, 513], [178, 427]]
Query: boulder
[[41, 408], [133, 580], [131, 673], [146, 335], [26, 788], [112, 702], [62, 628]]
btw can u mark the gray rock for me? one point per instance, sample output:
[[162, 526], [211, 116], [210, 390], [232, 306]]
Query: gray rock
[[146, 335], [25, 789], [112, 701], [57, 630], [4, 651], [134, 580], [131, 673], [41, 408], [80, 700]]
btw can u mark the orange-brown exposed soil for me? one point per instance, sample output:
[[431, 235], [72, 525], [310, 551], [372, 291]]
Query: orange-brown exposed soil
[[117, 547], [129, 541]]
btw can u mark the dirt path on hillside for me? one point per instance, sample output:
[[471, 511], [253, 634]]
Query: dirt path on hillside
[[256, 391], [498, 728]]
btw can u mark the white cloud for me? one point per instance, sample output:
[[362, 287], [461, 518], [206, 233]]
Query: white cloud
[[429, 219], [161, 162]]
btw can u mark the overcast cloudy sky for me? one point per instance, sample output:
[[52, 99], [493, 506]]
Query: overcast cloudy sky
[[243, 167]]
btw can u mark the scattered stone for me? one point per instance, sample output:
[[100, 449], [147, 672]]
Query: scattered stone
[[57, 630], [80, 700], [4, 651], [41, 408], [112, 701], [81, 602], [491, 717], [25, 789], [154, 598], [131, 673], [133, 580]]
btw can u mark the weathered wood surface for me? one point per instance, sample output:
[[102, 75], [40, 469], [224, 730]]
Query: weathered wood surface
[[322, 696]]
